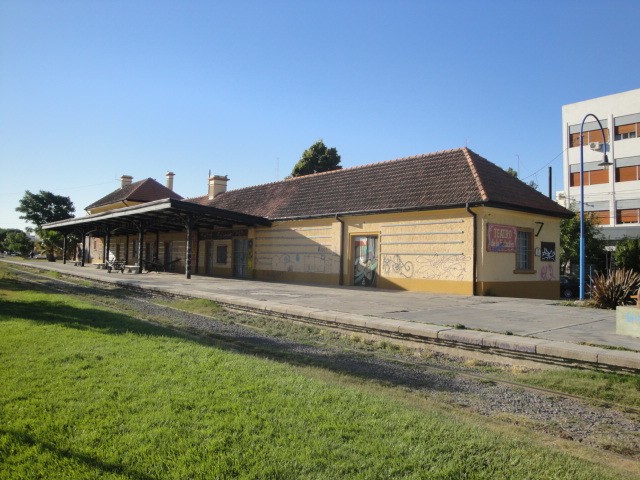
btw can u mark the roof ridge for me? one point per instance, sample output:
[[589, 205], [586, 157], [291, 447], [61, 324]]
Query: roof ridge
[[329, 172], [474, 171], [138, 184]]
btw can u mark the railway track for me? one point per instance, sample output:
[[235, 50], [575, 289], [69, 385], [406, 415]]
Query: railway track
[[573, 416]]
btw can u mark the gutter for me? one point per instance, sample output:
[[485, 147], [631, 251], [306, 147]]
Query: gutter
[[474, 256], [489, 204], [341, 263]]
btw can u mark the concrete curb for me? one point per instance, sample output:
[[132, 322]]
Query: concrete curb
[[533, 348]]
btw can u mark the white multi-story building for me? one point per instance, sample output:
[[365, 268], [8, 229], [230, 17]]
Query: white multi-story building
[[612, 194]]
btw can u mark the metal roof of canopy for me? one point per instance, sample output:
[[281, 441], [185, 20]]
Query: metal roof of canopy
[[160, 216]]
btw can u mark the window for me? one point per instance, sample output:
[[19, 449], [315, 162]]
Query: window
[[601, 217], [221, 255], [524, 251], [622, 132], [588, 137], [627, 174], [628, 215], [591, 177]]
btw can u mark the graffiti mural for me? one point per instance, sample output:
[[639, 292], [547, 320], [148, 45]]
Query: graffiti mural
[[428, 267], [548, 252], [365, 265], [547, 273], [302, 262], [393, 263]]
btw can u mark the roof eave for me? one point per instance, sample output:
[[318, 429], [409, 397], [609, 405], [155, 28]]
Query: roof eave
[[476, 203], [522, 208]]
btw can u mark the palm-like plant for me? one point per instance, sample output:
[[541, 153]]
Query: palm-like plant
[[615, 288]]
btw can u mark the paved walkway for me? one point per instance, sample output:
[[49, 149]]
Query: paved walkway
[[543, 327]]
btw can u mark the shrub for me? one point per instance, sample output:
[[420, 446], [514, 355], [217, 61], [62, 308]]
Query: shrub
[[614, 288], [627, 254]]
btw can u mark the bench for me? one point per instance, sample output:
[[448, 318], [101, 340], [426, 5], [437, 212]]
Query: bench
[[116, 265], [100, 266], [131, 268], [153, 266]]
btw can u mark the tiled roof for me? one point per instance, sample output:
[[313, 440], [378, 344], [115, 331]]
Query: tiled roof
[[141, 191], [451, 178]]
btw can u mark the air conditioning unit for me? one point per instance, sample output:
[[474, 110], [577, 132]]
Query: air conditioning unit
[[595, 145]]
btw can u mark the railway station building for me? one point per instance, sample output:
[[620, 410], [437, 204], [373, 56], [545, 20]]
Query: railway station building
[[448, 222]]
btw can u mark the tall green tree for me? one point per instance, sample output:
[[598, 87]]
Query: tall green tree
[[18, 241], [315, 159], [627, 254], [594, 241], [45, 207], [3, 236]]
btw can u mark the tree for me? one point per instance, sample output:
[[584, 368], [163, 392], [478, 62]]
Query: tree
[[315, 159], [514, 174], [594, 241], [3, 236], [18, 241], [627, 254], [44, 207]]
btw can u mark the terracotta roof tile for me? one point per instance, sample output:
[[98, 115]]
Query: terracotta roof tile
[[437, 180], [146, 190]]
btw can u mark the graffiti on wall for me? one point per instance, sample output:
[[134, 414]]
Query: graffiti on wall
[[429, 267], [548, 252], [547, 273], [299, 262], [394, 263]]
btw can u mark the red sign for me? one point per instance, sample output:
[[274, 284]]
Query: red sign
[[501, 238]]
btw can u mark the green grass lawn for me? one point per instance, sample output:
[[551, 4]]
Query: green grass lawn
[[87, 393]]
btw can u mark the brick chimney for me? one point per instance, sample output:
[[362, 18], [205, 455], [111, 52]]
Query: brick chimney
[[217, 185], [125, 180], [170, 176]]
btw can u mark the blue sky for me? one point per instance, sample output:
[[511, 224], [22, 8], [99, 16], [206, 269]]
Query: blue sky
[[92, 90]]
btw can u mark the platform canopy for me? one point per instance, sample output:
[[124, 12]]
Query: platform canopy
[[158, 216]]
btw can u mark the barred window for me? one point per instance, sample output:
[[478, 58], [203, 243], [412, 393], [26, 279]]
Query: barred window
[[221, 255], [524, 251]]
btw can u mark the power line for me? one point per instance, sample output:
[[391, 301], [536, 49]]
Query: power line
[[544, 166]]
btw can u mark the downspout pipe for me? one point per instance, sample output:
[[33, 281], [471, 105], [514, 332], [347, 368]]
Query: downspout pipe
[[474, 256], [341, 262]]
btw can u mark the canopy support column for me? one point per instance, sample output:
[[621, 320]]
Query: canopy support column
[[189, 224], [140, 227], [107, 246], [84, 246]]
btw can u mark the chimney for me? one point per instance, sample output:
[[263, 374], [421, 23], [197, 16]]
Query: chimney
[[170, 176], [217, 185], [125, 180]]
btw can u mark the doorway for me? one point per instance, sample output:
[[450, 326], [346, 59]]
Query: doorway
[[365, 260], [168, 257], [240, 257], [208, 258]]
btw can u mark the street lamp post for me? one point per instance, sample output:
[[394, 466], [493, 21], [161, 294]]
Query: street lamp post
[[605, 163]]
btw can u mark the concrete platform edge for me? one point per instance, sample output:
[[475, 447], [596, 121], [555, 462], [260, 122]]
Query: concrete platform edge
[[608, 358]]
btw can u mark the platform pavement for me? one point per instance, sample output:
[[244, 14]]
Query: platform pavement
[[536, 327]]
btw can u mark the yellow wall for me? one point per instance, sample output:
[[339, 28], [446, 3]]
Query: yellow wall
[[298, 251], [419, 251], [218, 269], [429, 251], [129, 250], [112, 206], [496, 270]]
